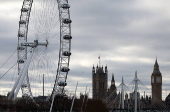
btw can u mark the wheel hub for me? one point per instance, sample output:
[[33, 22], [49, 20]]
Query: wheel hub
[[35, 43]]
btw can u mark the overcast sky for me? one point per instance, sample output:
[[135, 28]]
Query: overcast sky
[[128, 35]]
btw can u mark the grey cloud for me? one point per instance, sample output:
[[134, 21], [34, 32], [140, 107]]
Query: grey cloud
[[106, 28]]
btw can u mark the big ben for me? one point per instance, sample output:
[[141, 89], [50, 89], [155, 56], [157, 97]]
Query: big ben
[[156, 82]]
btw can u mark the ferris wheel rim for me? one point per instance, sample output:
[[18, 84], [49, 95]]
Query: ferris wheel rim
[[62, 54]]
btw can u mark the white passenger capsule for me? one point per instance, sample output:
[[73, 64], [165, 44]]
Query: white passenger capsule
[[66, 53], [65, 6], [24, 9], [22, 22], [62, 83], [20, 48], [67, 21], [65, 69], [24, 85], [25, 95], [67, 37], [20, 61], [21, 35]]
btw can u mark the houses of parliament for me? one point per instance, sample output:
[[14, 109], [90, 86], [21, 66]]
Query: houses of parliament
[[100, 88]]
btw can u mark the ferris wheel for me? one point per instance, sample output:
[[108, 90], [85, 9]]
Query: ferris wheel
[[44, 47]]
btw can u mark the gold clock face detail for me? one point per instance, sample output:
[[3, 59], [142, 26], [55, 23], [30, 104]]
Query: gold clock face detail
[[158, 79]]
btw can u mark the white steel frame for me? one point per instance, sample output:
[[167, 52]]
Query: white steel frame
[[23, 62]]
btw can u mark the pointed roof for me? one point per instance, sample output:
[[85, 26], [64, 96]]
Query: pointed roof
[[106, 67], [113, 80], [168, 98], [156, 68], [93, 66], [156, 63]]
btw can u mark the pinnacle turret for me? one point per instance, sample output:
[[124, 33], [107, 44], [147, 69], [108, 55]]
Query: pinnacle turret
[[156, 63], [113, 80], [93, 67], [106, 67]]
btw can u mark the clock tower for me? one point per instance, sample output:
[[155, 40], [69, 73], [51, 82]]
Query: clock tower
[[156, 83], [112, 87]]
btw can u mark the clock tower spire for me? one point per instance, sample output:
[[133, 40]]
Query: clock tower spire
[[156, 83]]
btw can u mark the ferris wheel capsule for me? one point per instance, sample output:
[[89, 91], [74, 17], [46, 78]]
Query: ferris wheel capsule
[[20, 61], [25, 95], [22, 22], [66, 53], [24, 85], [65, 69], [20, 48], [65, 6], [61, 83], [24, 9], [67, 37], [67, 21], [21, 35]]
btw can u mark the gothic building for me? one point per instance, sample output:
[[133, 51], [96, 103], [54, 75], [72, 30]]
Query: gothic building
[[100, 91], [167, 101], [156, 83], [99, 82]]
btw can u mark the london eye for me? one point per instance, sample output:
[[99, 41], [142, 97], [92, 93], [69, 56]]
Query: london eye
[[44, 48]]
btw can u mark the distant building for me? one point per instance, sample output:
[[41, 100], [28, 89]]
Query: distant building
[[99, 82], [112, 98], [143, 103], [42, 98], [167, 101], [83, 96], [132, 95]]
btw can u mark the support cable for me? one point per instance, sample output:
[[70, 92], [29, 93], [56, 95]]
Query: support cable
[[8, 58], [8, 71], [10, 68]]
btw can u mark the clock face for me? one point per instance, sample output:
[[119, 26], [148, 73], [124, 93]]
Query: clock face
[[113, 83], [152, 79], [158, 79]]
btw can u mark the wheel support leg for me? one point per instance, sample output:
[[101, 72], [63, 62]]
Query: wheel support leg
[[21, 77]]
